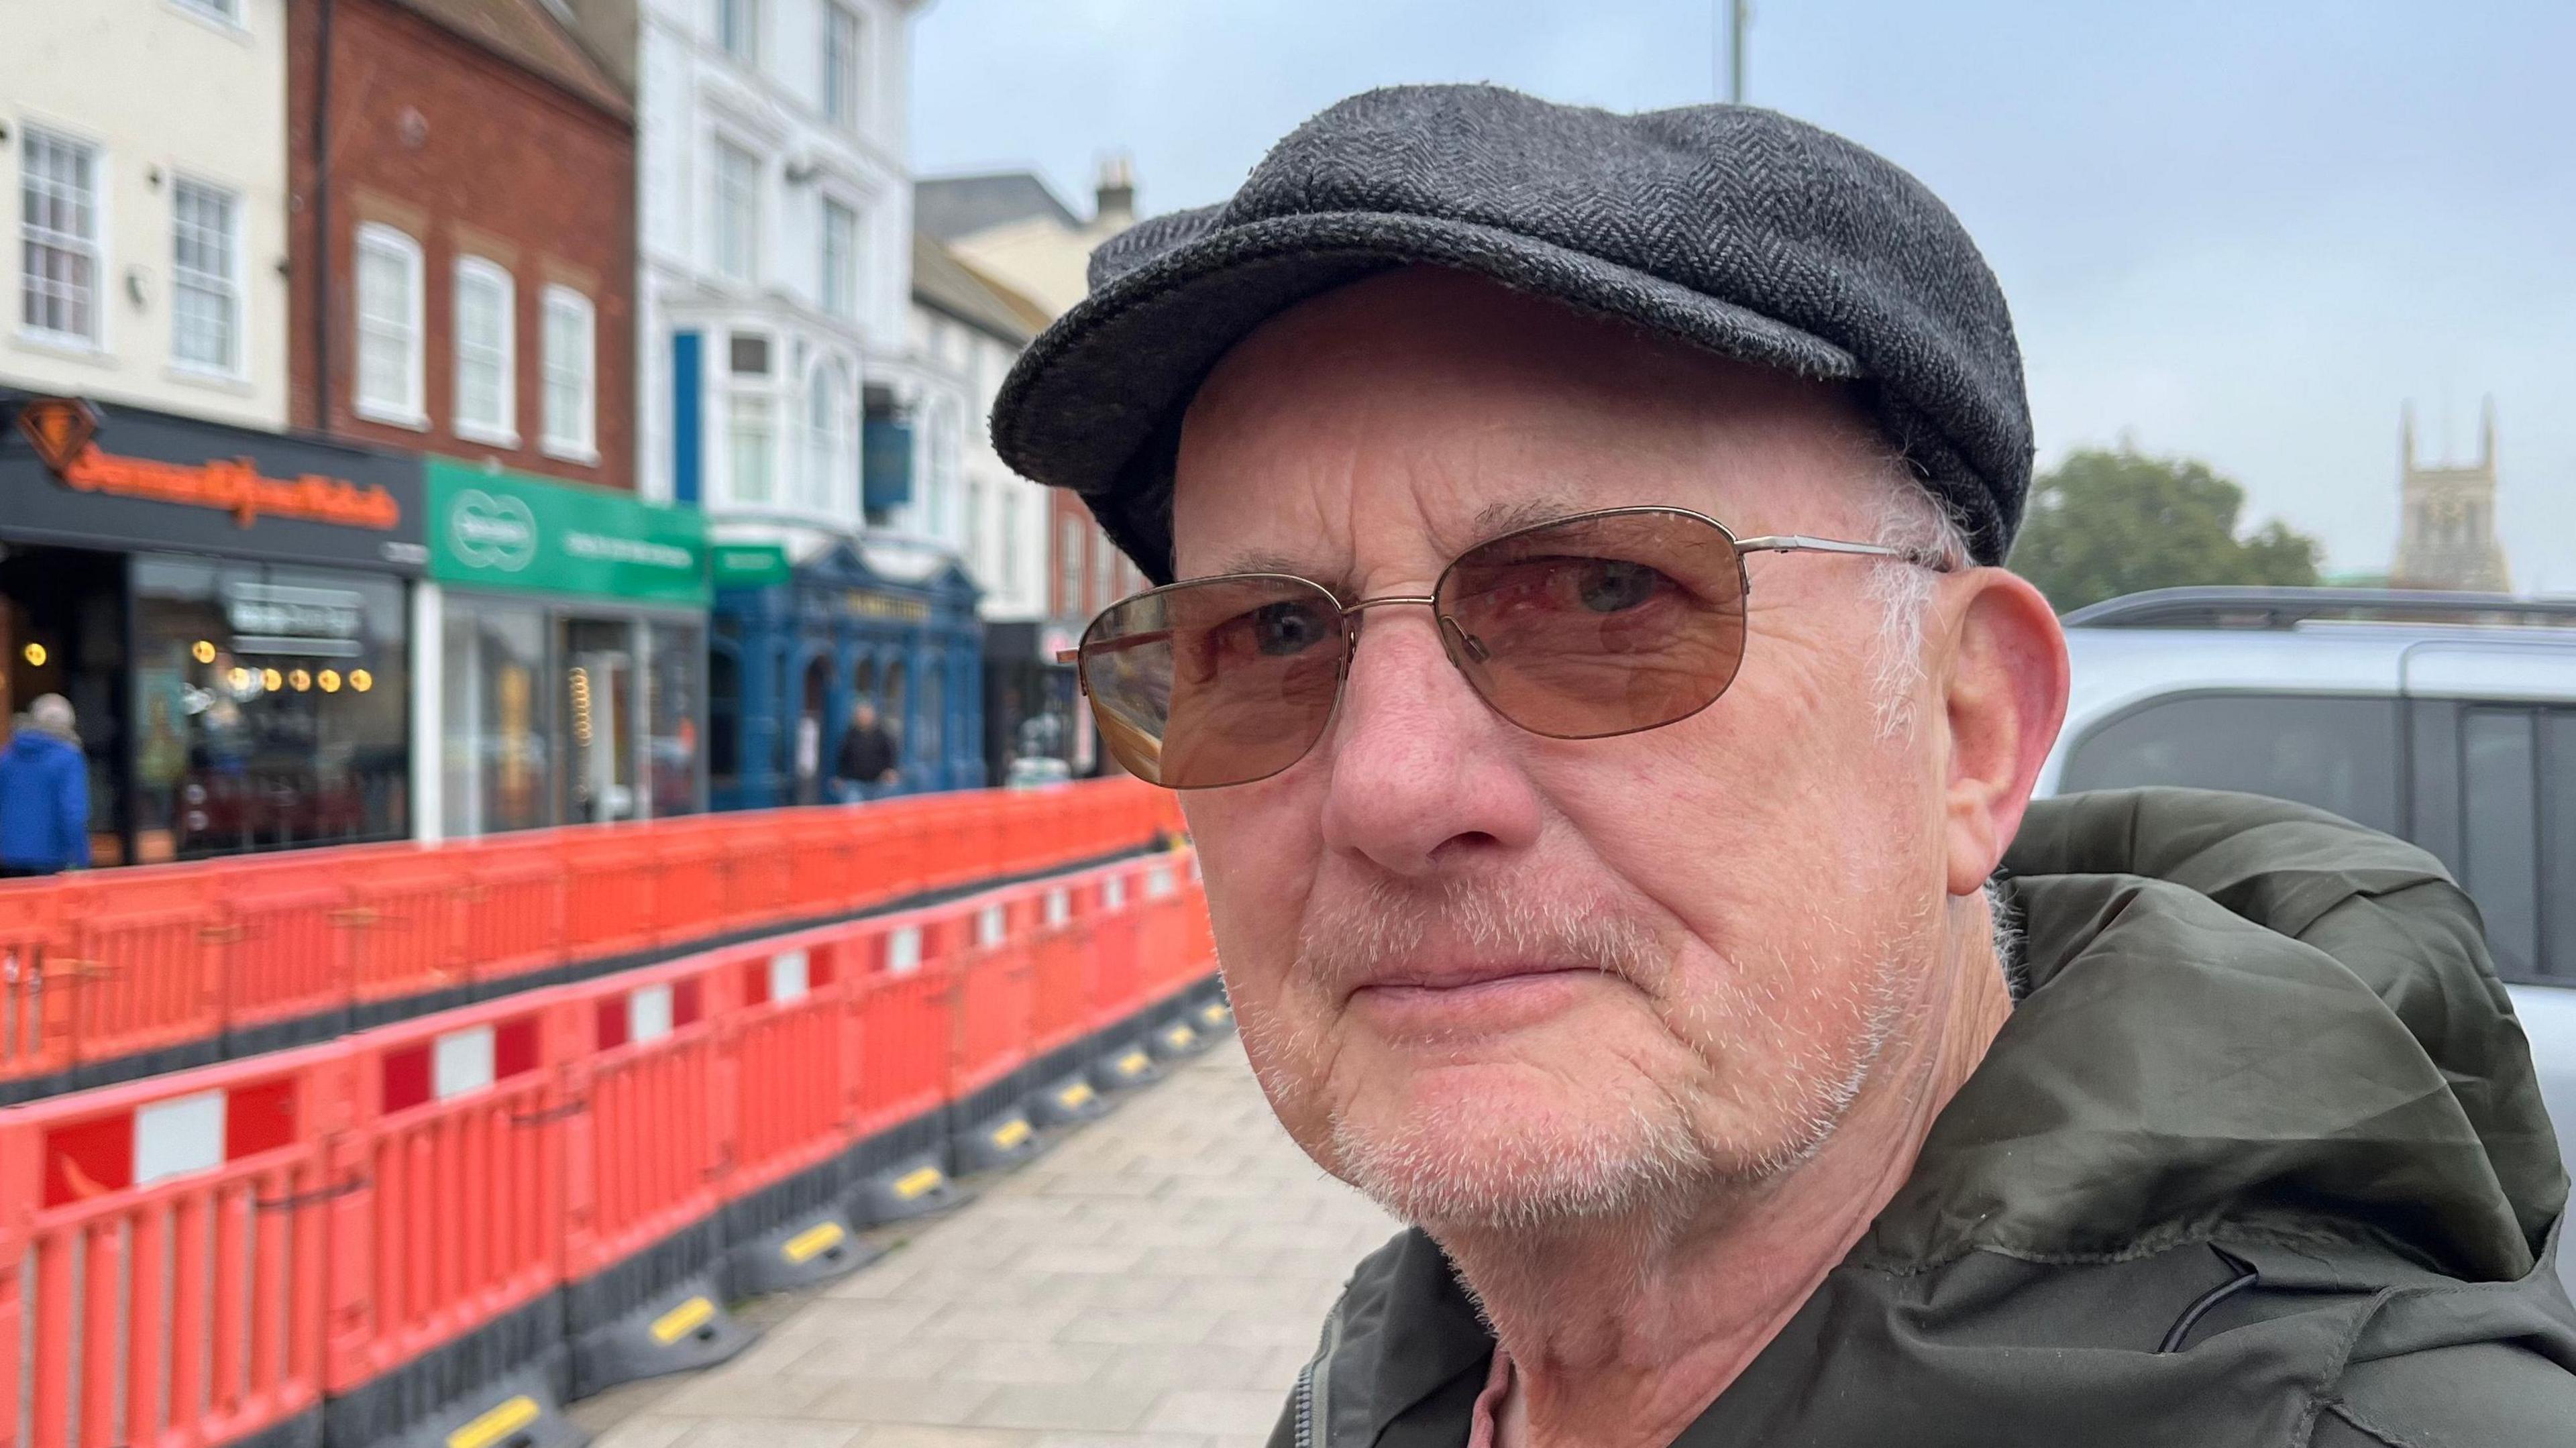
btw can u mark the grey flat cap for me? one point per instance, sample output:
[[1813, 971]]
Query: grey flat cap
[[1739, 230]]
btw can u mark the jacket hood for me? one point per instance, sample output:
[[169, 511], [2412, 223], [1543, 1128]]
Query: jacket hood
[[2241, 1011], [30, 741]]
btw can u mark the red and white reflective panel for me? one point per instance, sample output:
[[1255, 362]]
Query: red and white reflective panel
[[183, 1136], [456, 1063], [1113, 892], [903, 950], [992, 925], [647, 1013], [1160, 882], [791, 975], [1059, 906]]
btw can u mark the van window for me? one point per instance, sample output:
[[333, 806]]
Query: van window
[[2500, 831], [2336, 752]]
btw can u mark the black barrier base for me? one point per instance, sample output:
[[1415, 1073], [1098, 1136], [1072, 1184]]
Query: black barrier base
[[915, 1187], [423, 1402], [676, 1332], [304, 1430], [1068, 1101], [998, 1142], [798, 1255], [1174, 1039], [1124, 1066]]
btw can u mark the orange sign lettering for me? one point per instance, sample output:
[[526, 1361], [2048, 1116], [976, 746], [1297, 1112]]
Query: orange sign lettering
[[61, 429]]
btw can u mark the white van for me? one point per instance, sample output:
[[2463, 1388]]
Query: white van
[[2447, 719]]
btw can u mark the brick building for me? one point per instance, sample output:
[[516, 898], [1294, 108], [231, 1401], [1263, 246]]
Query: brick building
[[478, 211]]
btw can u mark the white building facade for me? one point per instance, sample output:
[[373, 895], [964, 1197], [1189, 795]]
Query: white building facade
[[147, 217], [779, 393], [772, 242]]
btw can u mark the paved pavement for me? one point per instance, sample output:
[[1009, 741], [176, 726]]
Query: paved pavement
[[1153, 1282]]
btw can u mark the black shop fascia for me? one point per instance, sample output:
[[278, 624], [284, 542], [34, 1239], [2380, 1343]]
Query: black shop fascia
[[227, 611]]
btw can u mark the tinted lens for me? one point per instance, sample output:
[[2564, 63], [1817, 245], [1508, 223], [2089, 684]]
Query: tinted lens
[[1221, 682], [1600, 625]]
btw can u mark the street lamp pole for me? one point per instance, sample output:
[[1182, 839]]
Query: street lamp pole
[[1738, 14]]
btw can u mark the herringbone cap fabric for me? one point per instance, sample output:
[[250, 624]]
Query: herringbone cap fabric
[[1739, 230]]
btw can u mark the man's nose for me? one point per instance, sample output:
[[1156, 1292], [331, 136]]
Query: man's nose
[[1424, 776]]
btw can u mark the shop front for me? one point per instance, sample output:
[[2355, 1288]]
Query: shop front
[[571, 645], [226, 611], [1033, 716], [797, 649]]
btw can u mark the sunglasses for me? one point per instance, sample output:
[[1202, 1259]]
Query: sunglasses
[[1582, 627]]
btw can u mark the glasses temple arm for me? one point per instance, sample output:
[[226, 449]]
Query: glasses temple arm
[[1801, 543]]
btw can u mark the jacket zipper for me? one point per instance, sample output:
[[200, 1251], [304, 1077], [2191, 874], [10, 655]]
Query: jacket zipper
[[1306, 1406]]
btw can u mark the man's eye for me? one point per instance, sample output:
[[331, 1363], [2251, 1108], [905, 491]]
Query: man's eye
[[1286, 628], [1611, 586]]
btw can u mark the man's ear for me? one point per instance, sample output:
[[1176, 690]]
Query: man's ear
[[2005, 697]]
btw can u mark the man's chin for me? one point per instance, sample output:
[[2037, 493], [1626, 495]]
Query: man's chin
[[1497, 1145]]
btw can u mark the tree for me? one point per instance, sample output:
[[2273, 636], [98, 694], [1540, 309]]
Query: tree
[[2101, 524]]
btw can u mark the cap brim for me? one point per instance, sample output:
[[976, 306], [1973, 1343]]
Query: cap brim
[[1093, 405]]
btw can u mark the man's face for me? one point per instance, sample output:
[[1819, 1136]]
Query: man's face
[[1492, 977], [867, 716]]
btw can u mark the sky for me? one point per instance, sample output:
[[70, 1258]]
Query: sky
[[2243, 232]]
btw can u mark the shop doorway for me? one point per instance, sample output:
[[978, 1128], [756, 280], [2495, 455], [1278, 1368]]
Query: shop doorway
[[599, 682], [62, 631], [814, 696]]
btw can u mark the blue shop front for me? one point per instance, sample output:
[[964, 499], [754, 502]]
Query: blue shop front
[[794, 649]]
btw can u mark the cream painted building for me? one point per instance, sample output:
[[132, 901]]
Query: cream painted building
[[146, 203]]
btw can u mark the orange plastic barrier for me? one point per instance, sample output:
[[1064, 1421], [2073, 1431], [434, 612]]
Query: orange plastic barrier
[[379, 1228], [123, 972], [163, 1254]]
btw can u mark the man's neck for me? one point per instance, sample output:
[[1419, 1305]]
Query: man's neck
[[1623, 1332]]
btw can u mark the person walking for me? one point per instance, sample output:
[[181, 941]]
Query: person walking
[[864, 766], [44, 793]]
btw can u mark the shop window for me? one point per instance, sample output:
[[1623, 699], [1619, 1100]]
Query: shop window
[[486, 354], [497, 764], [205, 281], [270, 706], [673, 688], [571, 376], [58, 231], [389, 327], [724, 719], [896, 721]]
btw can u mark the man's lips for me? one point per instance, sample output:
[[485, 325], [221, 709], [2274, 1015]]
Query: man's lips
[[1471, 998]]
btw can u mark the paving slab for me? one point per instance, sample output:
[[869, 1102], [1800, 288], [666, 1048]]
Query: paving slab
[[1155, 1281]]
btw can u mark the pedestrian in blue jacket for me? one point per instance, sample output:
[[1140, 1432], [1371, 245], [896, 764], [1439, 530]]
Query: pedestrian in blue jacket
[[44, 793]]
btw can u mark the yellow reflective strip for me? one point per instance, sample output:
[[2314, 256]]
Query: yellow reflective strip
[[682, 1320], [1134, 1061], [1074, 1095], [1212, 1013], [1011, 1132], [806, 1244], [913, 1183], [495, 1425], [1179, 1036]]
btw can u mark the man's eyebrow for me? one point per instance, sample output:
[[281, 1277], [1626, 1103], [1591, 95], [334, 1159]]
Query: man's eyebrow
[[1491, 521], [1495, 519]]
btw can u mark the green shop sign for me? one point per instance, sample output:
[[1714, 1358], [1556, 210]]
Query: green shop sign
[[748, 565], [509, 530]]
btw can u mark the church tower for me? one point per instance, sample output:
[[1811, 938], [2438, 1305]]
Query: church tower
[[2446, 534]]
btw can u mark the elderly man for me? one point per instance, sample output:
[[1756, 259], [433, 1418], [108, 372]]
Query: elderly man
[[1608, 735]]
